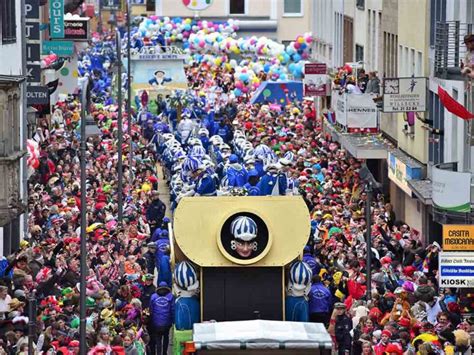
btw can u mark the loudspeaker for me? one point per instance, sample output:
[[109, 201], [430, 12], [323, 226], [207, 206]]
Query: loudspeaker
[[242, 293]]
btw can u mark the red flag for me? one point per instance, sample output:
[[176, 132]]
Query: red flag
[[453, 106]]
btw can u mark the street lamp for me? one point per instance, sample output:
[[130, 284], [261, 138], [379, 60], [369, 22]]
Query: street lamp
[[368, 238], [118, 43], [129, 97], [83, 248]]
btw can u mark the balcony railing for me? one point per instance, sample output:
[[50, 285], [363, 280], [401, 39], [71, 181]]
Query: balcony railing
[[450, 49]]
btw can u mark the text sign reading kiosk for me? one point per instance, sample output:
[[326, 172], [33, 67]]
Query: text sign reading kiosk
[[456, 269]]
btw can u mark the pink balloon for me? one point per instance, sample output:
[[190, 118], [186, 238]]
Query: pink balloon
[[309, 39], [297, 45], [202, 43]]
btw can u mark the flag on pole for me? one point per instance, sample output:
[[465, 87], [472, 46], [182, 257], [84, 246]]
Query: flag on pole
[[453, 106]]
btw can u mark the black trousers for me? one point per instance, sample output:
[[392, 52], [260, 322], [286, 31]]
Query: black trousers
[[319, 317], [159, 340]]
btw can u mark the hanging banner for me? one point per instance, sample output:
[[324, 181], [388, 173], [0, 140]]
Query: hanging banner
[[459, 237], [56, 18], [456, 269], [404, 94], [32, 9], [356, 112], [451, 190], [60, 48], [315, 79]]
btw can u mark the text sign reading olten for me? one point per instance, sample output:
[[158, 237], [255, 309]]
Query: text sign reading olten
[[458, 237]]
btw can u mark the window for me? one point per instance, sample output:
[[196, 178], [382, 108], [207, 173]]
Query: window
[[359, 53], [150, 5], [8, 18], [293, 7], [419, 64], [237, 7], [360, 4]]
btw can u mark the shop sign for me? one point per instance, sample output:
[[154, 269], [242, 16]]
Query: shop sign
[[76, 29], [356, 112], [37, 95], [400, 173], [158, 56], [60, 48], [458, 237], [56, 18], [404, 94], [315, 79], [451, 190], [456, 269], [111, 4]]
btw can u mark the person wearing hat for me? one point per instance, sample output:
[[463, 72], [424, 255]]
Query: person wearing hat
[[273, 183], [161, 318], [155, 212], [150, 257], [381, 346], [159, 78], [148, 289], [340, 326]]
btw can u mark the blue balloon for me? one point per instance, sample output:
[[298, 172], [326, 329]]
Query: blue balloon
[[237, 92], [187, 27], [303, 46], [290, 50], [244, 77], [266, 68], [296, 57], [291, 67]]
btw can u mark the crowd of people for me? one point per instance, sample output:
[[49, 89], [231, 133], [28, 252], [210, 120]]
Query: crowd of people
[[221, 145]]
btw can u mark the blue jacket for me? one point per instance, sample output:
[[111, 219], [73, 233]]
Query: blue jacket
[[205, 186], [162, 308], [237, 177], [259, 167], [164, 271], [309, 259], [269, 182], [320, 299], [187, 312], [296, 309], [252, 190]]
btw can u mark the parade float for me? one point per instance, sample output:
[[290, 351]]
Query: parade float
[[238, 279]]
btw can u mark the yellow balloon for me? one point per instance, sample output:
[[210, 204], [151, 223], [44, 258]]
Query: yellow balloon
[[301, 40]]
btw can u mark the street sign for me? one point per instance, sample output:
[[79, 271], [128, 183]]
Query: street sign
[[76, 29], [315, 79], [32, 9], [60, 48], [33, 72], [32, 30], [404, 94], [56, 18], [458, 237], [37, 95], [111, 4], [32, 52], [456, 269]]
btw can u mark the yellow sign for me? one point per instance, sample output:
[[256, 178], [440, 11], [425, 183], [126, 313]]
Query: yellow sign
[[458, 237], [203, 230]]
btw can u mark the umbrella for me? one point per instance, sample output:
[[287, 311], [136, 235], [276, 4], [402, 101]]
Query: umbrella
[[278, 92]]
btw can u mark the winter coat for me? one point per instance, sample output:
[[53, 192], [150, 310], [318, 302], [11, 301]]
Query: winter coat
[[296, 309], [320, 299], [236, 175], [272, 185], [187, 312], [205, 186], [162, 308], [155, 212], [164, 271]]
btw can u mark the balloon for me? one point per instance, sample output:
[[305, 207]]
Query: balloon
[[266, 93], [202, 43], [237, 92], [309, 39], [300, 39], [296, 57], [297, 45]]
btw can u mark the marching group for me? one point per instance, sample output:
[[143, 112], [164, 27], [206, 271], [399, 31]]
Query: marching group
[[221, 145]]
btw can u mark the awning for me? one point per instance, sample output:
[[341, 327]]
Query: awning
[[402, 168], [261, 334], [422, 189], [360, 146]]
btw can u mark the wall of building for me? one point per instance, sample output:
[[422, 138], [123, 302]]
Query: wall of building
[[413, 39], [10, 54], [219, 8], [290, 26]]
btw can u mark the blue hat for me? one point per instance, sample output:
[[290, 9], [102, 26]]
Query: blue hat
[[163, 284], [233, 159], [244, 228], [300, 275], [185, 276], [253, 172]]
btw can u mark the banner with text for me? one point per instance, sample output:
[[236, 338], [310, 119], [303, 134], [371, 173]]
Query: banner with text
[[456, 269], [458, 237]]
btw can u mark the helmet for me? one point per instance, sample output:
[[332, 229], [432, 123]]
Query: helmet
[[179, 155], [289, 156], [191, 164], [300, 275], [261, 151], [197, 151], [185, 276], [203, 132], [244, 228]]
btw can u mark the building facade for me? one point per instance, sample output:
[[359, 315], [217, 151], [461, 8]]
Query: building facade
[[12, 147]]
